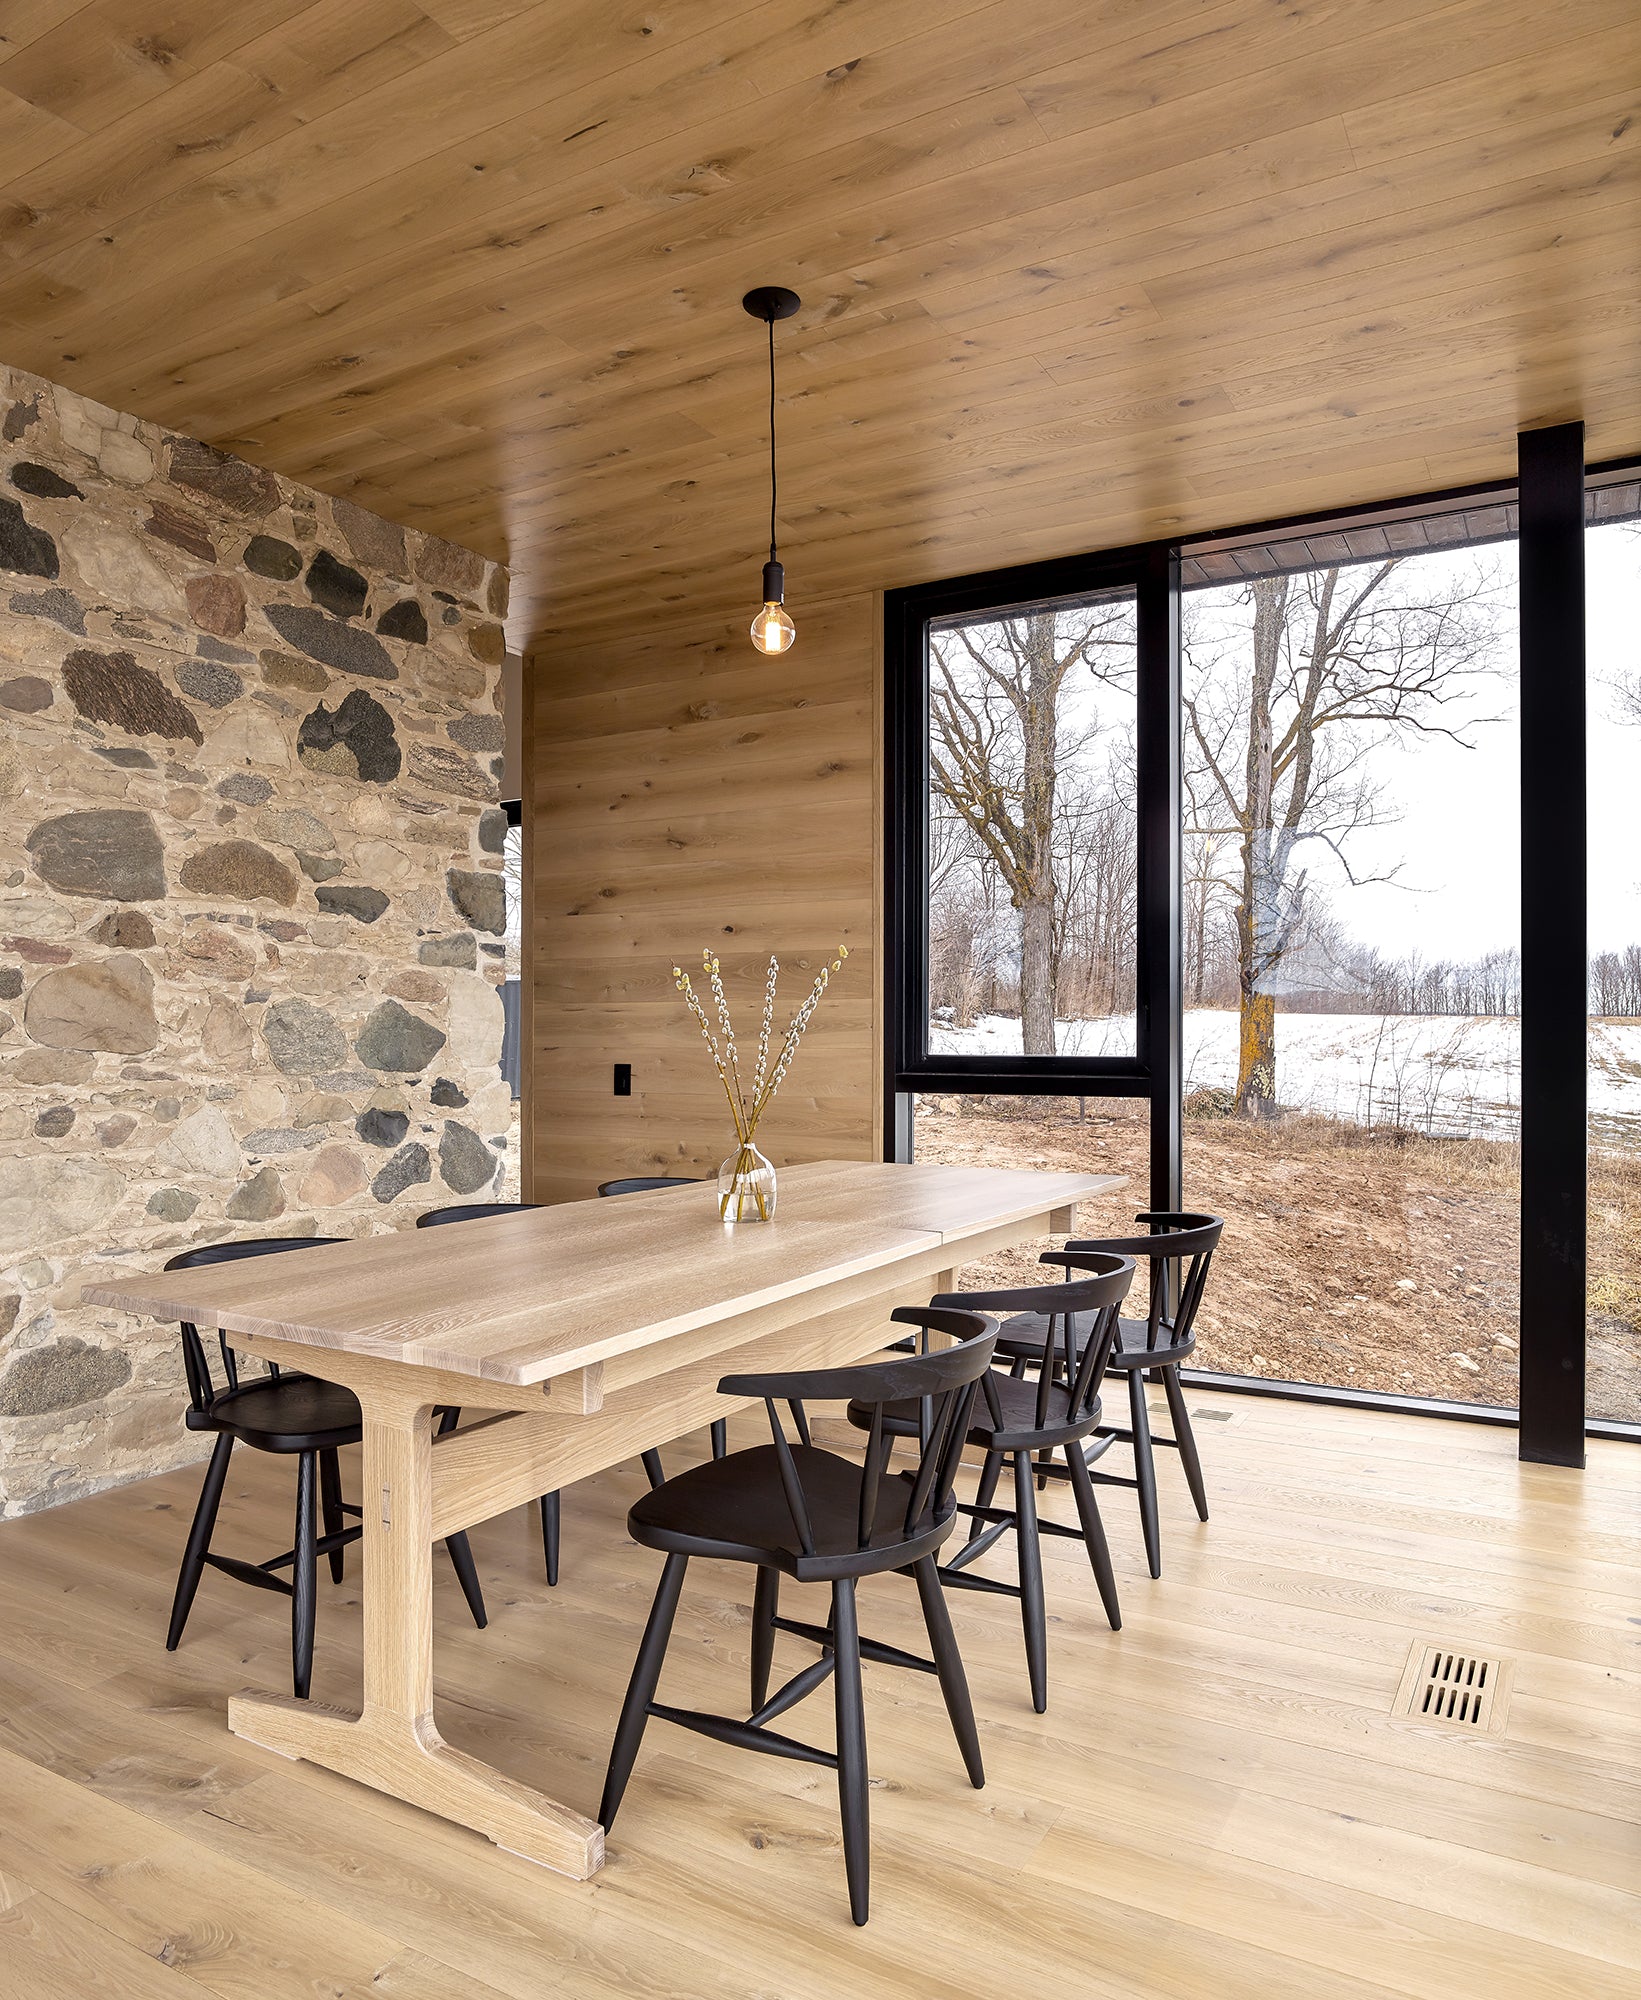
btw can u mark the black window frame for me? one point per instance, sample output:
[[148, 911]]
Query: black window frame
[[908, 616], [1551, 1420]]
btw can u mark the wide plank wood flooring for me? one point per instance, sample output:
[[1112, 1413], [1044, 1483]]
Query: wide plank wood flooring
[[1218, 1804]]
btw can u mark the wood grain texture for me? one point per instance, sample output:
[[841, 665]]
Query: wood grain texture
[[688, 793], [552, 1292], [1075, 271], [1241, 1719]]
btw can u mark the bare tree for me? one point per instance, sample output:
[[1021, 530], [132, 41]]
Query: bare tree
[[998, 737], [1281, 717]]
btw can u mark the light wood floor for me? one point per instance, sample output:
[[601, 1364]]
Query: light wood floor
[[1218, 1804]]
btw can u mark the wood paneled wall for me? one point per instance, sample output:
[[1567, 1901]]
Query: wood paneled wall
[[682, 791]]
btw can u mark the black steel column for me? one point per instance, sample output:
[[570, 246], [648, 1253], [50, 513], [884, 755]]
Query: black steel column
[[1161, 984], [1554, 979]]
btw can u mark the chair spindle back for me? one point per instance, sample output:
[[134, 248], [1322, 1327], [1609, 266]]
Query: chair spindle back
[[1068, 1383], [196, 1366], [943, 1382], [1179, 1249]]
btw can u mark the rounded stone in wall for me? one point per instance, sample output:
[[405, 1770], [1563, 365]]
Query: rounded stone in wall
[[336, 585], [395, 1039], [303, 1040], [466, 1163], [113, 853], [240, 871], [111, 687], [266, 556], [129, 928], [46, 1200], [354, 740], [63, 1375], [481, 898], [408, 1167], [259, 1199], [107, 1003]]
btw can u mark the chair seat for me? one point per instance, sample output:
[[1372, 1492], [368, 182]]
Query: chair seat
[[735, 1508], [1022, 1338], [287, 1413], [1017, 1407]]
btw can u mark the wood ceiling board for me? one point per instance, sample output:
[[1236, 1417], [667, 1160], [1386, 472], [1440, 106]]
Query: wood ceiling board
[[1071, 272]]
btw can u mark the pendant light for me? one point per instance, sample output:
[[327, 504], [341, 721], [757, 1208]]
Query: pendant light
[[772, 630]]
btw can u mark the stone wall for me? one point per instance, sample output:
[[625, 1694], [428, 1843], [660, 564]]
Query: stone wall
[[251, 901]]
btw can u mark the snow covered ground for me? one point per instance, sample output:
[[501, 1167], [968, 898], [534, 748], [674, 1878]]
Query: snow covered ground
[[1450, 1075]]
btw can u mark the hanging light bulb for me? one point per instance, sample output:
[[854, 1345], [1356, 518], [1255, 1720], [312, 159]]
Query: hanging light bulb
[[772, 629]]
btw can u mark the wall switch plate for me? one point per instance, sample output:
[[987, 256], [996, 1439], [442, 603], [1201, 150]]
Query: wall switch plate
[[623, 1079]]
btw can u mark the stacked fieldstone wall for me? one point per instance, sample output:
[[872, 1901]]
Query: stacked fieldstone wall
[[251, 897]]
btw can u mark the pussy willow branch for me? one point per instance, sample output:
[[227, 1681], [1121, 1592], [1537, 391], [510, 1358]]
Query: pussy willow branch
[[766, 1081]]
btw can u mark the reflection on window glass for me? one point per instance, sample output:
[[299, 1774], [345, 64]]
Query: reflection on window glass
[[1613, 577], [1031, 831], [1352, 968]]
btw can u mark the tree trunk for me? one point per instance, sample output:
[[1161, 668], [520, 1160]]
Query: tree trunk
[[1259, 926], [1037, 974], [1256, 1056], [1034, 890]]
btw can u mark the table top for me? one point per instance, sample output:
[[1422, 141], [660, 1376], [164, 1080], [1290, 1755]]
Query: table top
[[522, 1297]]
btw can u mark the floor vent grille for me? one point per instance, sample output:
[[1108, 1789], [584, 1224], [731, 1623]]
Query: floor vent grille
[[1449, 1685]]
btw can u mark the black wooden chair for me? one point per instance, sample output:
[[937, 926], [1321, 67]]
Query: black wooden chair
[[1018, 1421], [1179, 1250], [799, 1511], [289, 1414]]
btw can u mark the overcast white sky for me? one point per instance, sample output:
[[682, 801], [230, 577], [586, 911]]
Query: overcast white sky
[[1456, 827]]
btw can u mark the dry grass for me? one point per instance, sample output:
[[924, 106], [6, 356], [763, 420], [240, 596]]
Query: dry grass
[[1371, 1260]]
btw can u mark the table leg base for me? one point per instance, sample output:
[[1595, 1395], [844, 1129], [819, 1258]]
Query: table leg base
[[407, 1758]]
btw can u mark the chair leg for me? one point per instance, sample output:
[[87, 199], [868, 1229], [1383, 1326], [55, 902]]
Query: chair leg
[[954, 1683], [304, 1573], [653, 1467], [851, 1722], [720, 1439], [1186, 1439], [1033, 1615], [550, 1514], [467, 1575], [330, 1505], [1088, 1511], [199, 1539], [986, 1490], [1145, 1469], [646, 1674], [766, 1592]]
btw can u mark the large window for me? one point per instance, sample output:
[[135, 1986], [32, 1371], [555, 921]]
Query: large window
[[1031, 858], [1352, 965], [1613, 576], [1248, 869]]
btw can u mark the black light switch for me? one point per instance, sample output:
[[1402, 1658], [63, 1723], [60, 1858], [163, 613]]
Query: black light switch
[[623, 1079]]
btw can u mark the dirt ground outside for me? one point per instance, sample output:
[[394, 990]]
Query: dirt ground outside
[[1374, 1260]]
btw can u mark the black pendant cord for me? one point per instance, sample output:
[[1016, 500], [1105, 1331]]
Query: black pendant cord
[[772, 487]]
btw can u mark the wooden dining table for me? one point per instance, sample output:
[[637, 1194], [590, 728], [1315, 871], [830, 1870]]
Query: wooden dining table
[[584, 1333]]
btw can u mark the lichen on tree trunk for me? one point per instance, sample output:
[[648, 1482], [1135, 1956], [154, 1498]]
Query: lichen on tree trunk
[[1256, 1056]]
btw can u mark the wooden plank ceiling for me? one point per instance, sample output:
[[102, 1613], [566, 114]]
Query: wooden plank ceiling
[[1074, 271]]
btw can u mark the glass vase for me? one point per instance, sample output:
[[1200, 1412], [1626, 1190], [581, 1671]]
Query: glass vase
[[746, 1187]]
